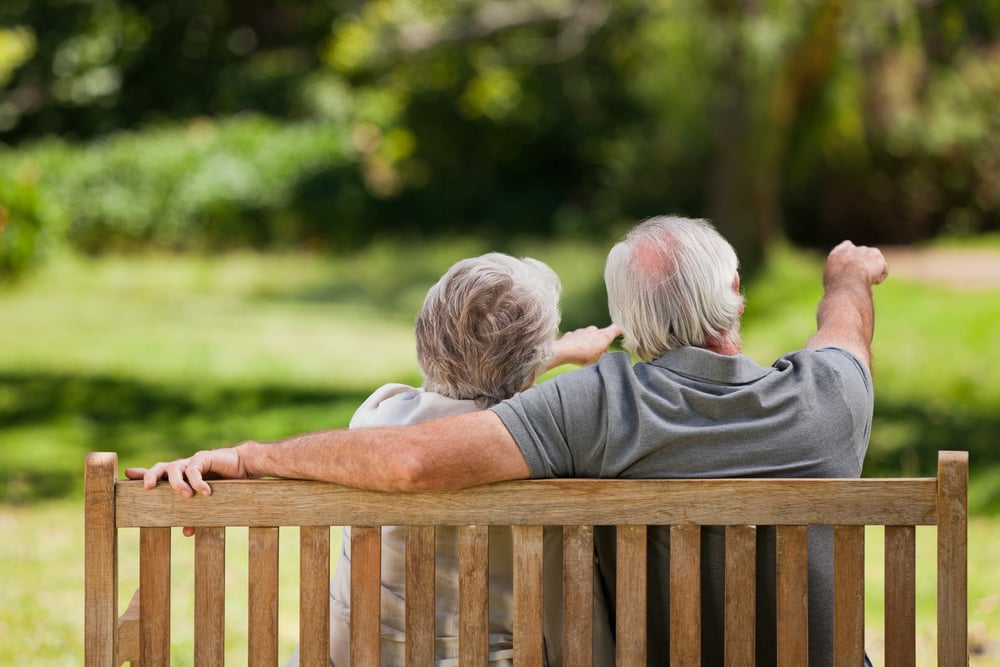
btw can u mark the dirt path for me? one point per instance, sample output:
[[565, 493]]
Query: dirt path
[[967, 268]]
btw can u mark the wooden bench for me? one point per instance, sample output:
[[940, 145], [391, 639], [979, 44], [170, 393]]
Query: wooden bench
[[900, 505]]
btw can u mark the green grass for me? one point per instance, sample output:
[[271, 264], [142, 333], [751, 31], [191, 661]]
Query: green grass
[[41, 615], [157, 356], [984, 597]]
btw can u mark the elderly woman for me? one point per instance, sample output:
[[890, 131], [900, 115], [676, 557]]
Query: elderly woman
[[487, 330]]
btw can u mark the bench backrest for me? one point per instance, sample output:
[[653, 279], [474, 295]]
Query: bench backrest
[[685, 505]]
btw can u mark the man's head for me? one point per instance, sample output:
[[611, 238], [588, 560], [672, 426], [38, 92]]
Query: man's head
[[673, 282], [487, 326]]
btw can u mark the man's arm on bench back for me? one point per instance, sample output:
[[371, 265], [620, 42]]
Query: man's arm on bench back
[[448, 453]]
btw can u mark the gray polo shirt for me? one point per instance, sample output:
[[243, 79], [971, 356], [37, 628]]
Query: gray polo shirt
[[694, 413]]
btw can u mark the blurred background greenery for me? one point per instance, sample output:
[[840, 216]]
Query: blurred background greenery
[[208, 124], [217, 219]]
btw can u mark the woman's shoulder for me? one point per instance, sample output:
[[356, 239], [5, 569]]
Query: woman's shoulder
[[398, 404]]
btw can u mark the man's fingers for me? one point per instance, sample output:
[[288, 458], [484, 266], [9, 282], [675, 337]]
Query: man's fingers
[[153, 475], [870, 260], [196, 481], [175, 475], [884, 272]]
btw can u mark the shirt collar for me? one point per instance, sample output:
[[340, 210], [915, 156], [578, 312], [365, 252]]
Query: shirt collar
[[701, 364]]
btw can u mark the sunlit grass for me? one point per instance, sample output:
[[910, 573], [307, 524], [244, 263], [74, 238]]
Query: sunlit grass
[[41, 602], [984, 596]]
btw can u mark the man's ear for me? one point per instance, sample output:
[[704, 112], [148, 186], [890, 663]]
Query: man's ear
[[736, 288]]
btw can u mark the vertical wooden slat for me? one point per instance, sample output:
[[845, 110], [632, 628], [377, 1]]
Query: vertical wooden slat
[[529, 642], [100, 555], [578, 595], [900, 596], [792, 574], [420, 568], [209, 596], [262, 597], [849, 596], [154, 596], [630, 582], [473, 595], [741, 595], [953, 536], [314, 596], [685, 595]]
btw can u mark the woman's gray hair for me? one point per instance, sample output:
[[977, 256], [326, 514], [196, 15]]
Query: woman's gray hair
[[671, 283], [487, 327]]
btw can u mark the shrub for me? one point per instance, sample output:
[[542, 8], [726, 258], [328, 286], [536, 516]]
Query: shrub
[[245, 181]]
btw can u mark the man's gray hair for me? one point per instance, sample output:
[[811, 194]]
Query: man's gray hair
[[487, 327], [671, 283]]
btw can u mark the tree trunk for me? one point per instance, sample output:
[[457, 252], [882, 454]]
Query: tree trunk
[[752, 133]]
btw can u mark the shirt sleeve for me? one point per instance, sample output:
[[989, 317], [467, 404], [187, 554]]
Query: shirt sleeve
[[561, 424], [854, 387]]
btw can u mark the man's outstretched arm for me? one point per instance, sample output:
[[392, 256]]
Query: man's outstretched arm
[[845, 317], [448, 453]]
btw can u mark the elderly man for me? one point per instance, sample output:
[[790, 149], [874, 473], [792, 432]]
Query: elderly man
[[695, 407]]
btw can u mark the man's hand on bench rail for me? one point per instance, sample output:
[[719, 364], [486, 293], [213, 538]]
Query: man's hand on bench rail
[[187, 476]]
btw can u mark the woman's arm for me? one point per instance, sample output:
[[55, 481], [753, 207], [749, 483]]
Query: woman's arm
[[582, 346]]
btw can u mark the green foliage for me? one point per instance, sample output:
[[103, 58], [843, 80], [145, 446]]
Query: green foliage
[[104, 65], [244, 182], [815, 121], [902, 142], [17, 45], [818, 121], [20, 223]]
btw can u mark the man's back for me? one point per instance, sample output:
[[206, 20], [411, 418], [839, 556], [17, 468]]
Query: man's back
[[694, 413]]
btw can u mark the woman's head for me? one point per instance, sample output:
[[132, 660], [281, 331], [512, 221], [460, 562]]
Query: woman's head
[[673, 282], [487, 326]]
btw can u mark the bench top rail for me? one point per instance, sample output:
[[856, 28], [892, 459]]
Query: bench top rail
[[549, 502]]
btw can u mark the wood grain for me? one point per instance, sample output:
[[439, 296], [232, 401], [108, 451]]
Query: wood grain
[[630, 621], [529, 641], [791, 572], [685, 596], [547, 502], [419, 621], [210, 596], [741, 595], [473, 595], [262, 597], [154, 596]]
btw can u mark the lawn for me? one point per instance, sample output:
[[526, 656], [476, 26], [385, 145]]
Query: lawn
[[156, 356]]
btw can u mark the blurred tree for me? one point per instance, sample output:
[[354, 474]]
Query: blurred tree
[[815, 119], [103, 65], [486, 116], [903, 142], [572, 117]]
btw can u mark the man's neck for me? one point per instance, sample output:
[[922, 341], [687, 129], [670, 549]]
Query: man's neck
[[726, 347]]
